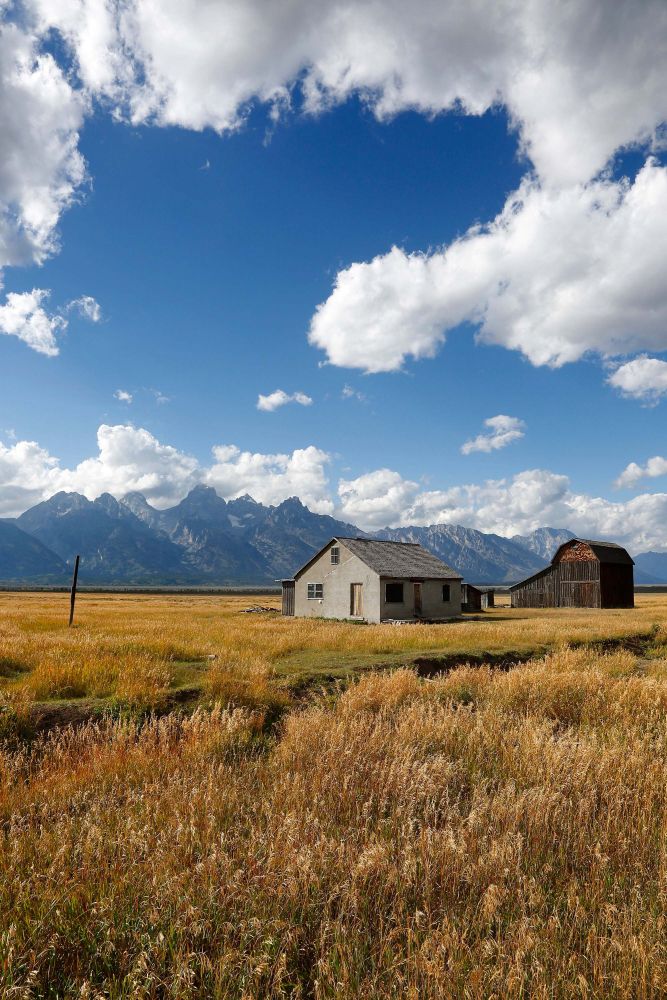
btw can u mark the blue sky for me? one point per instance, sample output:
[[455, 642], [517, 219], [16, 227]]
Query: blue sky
[[209, 249]]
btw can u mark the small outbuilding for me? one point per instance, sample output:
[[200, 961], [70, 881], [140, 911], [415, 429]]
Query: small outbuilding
[[476, 598], [373, 581], [583, 574], [471, 598]]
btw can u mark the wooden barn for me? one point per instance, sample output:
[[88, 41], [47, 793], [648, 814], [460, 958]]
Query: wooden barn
[[582, 574]]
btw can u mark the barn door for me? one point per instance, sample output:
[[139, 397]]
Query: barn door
[[579, 594], [288, 597], [356, 600], [418, 599]]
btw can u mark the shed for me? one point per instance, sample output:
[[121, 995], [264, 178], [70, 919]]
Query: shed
[[471, 598], [583, 574], [372, 580]]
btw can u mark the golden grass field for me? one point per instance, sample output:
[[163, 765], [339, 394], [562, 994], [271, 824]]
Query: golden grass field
[[286, 821]]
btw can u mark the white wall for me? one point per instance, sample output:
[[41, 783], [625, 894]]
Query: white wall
[[337, 580], [433, 605]]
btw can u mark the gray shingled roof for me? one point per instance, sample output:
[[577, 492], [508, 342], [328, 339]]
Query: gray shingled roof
[[607, 552], [399, 559]]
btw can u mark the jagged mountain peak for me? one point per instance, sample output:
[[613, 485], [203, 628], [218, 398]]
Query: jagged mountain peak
[[63, 502], [201, 489], [544, 541], [137, 504], [108, 504], [134, 496], [205, 539], [201, 497], [480, 557], [293, 503]]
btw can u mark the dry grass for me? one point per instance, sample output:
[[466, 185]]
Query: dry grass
[[483, 834], [137, 649]]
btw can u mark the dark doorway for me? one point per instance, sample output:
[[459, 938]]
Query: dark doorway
[[418, 600]]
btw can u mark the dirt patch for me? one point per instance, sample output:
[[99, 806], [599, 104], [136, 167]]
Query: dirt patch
[[429, 666]]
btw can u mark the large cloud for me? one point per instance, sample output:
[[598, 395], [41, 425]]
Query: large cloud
[[377, 498], [272, 478], [556, 274], [131, 458], [580, 79], [528, 500], [41, 166], [41, 170]]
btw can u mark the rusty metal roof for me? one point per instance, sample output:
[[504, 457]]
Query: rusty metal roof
[[606, 552]]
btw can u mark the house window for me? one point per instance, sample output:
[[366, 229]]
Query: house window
[[393, 593], [335, 555], [446, 593], [315, 591]]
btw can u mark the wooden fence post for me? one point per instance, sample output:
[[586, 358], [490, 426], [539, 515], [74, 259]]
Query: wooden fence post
[[72, 595]]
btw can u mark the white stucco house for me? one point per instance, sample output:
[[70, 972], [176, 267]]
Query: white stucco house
[[373, 581]]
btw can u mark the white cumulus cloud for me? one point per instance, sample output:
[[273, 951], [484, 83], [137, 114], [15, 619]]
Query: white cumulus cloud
[[131, 458], [580, 80], [557, 274], [531, 499], [24, 316], [502, 431], [280, 398], [123, 396], [272, 478], [377, 498], [41, 168], [634, 473], [642, 378]]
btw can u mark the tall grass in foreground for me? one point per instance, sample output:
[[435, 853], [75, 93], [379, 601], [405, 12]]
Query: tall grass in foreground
[[484, 834]]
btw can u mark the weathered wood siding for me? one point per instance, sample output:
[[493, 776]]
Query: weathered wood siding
[[578, 581], [537, 592], [288, 597]]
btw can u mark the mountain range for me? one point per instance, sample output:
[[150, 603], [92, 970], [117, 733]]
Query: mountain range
[[205, 540]]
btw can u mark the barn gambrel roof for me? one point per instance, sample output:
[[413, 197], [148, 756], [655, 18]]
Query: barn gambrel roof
[[606, 552]]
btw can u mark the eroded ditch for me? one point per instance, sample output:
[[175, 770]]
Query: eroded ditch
[[43, 717]]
